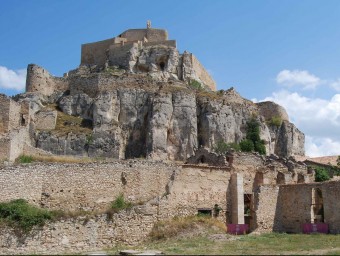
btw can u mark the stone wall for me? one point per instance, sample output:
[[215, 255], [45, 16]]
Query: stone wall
[[45, 120], [40, 80], [5, 148], [82, 234], [84, 186], [15, 116], [265, 207], [194, 188], [95, 53], [296, 206], [119, 55], [18, 138], [4, 113], [202, 73]]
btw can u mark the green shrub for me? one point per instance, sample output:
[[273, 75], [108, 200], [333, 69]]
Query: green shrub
[[338, 161], [275, 121], [23, 159], [247, 145], [120, 204], [222, 148], [260, 147], [321, 174], [195, 84], [23, 216], [253, 140]]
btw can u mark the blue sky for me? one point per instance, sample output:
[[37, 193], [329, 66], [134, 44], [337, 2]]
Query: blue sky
[[286, 51]]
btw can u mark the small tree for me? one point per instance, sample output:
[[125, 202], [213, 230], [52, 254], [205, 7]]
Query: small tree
[[338, 162], [321, 174], [253, 140], [247, 145]]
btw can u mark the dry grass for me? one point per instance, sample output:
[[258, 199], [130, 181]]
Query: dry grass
[[66, 123], [63, 159], [184, 225], [209, 94]]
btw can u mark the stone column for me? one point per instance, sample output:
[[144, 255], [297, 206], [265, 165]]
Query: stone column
[[237, 200]]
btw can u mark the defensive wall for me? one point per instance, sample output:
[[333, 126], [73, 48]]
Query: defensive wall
[[40, 80], [202, 73]]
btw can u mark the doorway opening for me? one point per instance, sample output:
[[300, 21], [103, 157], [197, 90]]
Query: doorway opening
[[317, 210], [247, 199]]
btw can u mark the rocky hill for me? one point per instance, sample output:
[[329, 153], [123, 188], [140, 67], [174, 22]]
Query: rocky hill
[[136, 96]]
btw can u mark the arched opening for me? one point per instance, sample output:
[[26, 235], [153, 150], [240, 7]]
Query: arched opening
[[162, 66], [22, 120], [317, 211]]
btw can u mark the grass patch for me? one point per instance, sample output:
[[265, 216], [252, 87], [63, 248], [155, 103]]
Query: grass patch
[[23, 216], [56, 159], [275, 121], [266, 244], [118, 204], [24, 159], [66, 123]]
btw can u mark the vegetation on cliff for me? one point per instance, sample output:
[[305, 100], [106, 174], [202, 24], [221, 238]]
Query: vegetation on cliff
[[252, 142]]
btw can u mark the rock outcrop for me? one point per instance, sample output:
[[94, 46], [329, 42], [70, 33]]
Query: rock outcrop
[[162, 124]]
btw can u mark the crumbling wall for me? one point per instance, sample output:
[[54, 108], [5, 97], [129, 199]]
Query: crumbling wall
[[46, 120], [18, 138], [40, 80], [4, 113], [82, 233], [296, 203], [265, 207], [15, 116]]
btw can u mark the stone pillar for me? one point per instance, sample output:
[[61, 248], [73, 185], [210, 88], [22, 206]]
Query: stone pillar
[[237, 200]]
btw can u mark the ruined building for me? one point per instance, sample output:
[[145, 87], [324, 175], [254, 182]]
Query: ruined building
[[141, 104]]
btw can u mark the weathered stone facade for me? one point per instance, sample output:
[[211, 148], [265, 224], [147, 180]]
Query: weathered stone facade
[[81, 234], [245, 189]]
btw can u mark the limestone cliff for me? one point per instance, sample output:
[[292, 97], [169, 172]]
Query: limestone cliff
[[132, 118]]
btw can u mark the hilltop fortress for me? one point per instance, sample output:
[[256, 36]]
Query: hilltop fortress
[[133, 96], [135, 51], [151, 121]]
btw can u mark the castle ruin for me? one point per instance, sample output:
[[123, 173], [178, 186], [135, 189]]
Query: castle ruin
[[155, 116]]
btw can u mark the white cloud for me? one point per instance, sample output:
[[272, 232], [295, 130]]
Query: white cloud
[[321, 147], [12, 79], [318, 118], [298, 78], [336, 85]]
